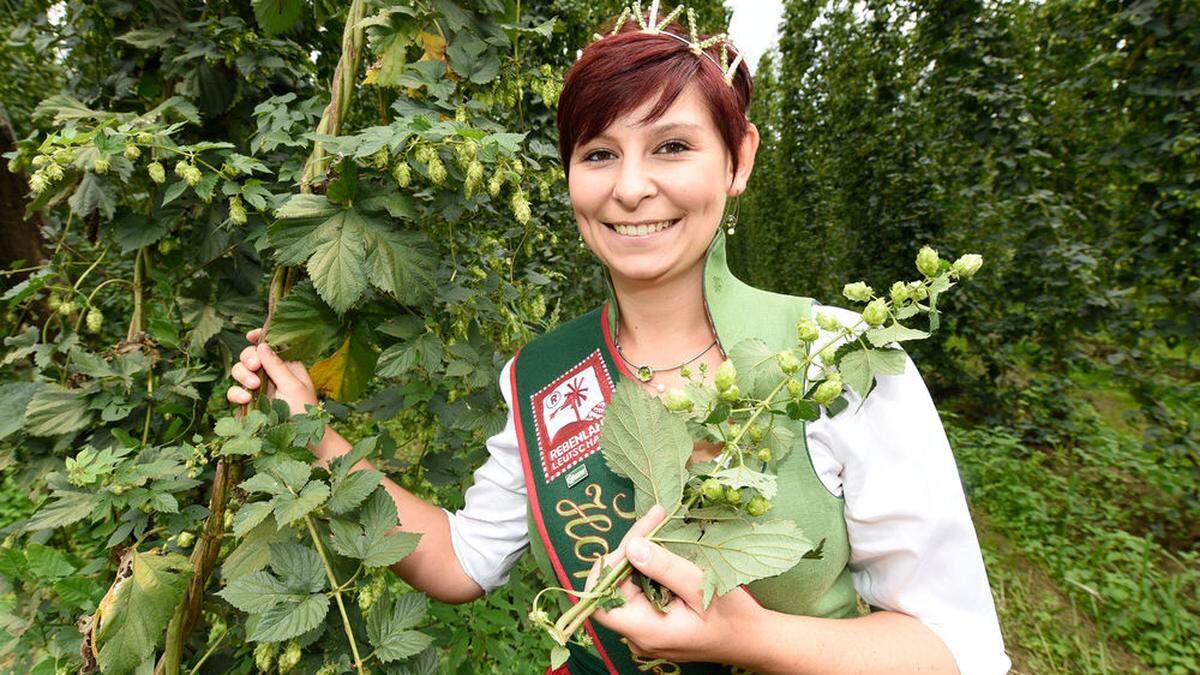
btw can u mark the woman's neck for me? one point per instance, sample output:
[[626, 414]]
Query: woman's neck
[[664, 320]]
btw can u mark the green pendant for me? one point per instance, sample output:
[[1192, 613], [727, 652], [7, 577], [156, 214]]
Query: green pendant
[[645, 373]]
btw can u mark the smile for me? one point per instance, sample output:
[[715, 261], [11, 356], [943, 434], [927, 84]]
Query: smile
[[643, 229]]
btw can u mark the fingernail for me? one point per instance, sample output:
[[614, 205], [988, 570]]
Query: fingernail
[[252, 381], [638, 550]]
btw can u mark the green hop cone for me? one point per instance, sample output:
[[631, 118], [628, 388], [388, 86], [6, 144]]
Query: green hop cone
[[788, 362], [758, 506], [730, 395], [755, 432], [53, 172], [726, 375], [474, 177], [186, 538], [101, 164], [327, 669], [437, 170], [145, 137], [380, 158], [181, 168], [899, 293], [290, 657], [764, 454], [828, 321], [192, 176], [918, 290], [712, 490], [807, 330], [402, 173], [95, 320], [264, 655], [828, 390], [966, 266], [735, 429], [795, 389], [38, 183], [131, 151], [495, 182], [520, 207], [66, 308], [858, 291], [677, 400], [733, 495], [876, 312], [64, 155], [237, 212], [156, 171], [39, 161], [928, 261]]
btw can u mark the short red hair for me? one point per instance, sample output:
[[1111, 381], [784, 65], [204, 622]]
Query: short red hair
[[617, 73]]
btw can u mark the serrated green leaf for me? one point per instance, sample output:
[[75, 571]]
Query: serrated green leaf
[[299, 567], [641, 440], [304, 327], [289, 508], [48, 563], [254, 551], [276, 16], [881, 337], [94, 193], [399, 263], [302, 205], [733, 553], [351, 490], [263, 482], [780, 440], [859, 368], [742, 476], [758, 369], [249, 516], [55, 410], [368, 539], [293, 473], [389, 628], [67, 508], [287, 620], [132, 623], [16, 397], [338, 266], [257, 592]]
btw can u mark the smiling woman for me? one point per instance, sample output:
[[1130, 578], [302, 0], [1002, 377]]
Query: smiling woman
[[654, 140]]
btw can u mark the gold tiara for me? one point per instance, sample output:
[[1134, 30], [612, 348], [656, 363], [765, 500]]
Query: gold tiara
[[653, 26]]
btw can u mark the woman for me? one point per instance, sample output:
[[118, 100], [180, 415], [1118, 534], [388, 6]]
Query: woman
[[654, 140]]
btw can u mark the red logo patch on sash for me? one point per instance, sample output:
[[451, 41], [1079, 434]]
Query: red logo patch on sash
[[569, 411]]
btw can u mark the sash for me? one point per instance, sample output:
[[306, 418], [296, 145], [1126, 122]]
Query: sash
[[562, 383]]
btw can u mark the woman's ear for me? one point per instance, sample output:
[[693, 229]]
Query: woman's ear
[[746, 155]]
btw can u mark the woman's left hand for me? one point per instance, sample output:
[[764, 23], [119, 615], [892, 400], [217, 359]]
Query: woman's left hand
[[688, 631]]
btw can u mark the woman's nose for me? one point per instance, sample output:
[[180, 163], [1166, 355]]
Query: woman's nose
[[633, 184]]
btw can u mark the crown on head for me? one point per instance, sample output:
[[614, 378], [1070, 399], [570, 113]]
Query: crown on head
[[655, 26]]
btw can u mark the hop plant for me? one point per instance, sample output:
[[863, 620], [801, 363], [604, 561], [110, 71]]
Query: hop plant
[[807, 330], [966, 266], [39, 161], [156, 171], [758, 506], [495, 182], [101, 164], [928, 262], [95, 320], [54, 172], [38, 182], [237, 212], [131, 151], [520, 207], [290, 657], [474, 178], [876, 312], [788, 362], [712, 490], [858, 291], [828, 321], [828, 390], [402, 173], [726, 376], [264, 655], [900, 293], [193, 175], [437, 170]]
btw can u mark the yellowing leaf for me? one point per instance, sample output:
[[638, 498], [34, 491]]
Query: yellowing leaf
[[345, 374], [434, 46]]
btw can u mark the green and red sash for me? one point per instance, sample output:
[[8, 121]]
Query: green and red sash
[[562, 382]]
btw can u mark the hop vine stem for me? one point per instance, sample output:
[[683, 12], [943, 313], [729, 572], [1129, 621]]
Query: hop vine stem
[[337, 594]]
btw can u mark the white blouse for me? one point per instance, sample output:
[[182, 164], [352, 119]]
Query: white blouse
[[913, 547]]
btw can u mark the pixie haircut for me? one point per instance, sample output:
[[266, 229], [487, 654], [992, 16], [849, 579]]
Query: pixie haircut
[[617, 73]]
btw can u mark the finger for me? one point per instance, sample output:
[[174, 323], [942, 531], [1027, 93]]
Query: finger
[[249, 357], [679, 574], [238, 395], [276, 369], [300, 373], [253, 335], [246, 378], [644, 526]]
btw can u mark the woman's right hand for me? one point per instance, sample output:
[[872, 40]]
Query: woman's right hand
[[286, 380]]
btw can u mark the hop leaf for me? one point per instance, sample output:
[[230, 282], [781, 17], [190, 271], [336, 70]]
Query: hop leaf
[[858, 291], [928, 261]]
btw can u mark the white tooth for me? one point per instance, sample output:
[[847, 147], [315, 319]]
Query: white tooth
[[643, 230]]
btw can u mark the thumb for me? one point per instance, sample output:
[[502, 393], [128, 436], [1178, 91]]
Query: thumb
[[675, 572], [275, 367]]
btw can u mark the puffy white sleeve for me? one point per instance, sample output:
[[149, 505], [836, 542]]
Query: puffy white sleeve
[[491, 531], [913, 547]]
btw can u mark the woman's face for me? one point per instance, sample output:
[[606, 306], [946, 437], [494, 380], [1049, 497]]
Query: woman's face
[[648, 199]]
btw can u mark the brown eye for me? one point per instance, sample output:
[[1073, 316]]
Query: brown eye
[[682, 147], [589, 157]]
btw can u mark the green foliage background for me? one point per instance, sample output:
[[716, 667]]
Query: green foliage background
[[1059, 139]]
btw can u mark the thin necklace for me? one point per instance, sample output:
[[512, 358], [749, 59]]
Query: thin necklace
[[644, 372]]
